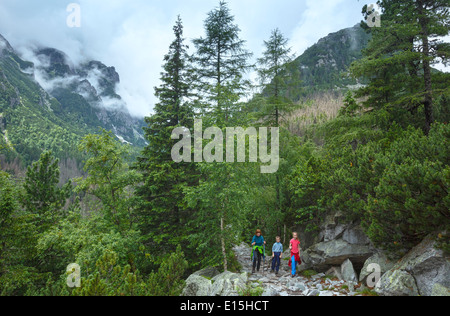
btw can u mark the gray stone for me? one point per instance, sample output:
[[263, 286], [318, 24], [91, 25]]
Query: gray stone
[[333, 232], [348, 272], [397, 283], [439, 290], [196, 286], [326, 254], [424, 267], [228, 284], [298, 287], [381, 260], [209, 272], [314, 293], [270, 291], [355, 236], [335, 272], [326, 293]]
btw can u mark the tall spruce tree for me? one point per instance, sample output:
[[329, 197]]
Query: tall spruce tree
[[221, 63], [163, 211], [400, 56], [274, 78]]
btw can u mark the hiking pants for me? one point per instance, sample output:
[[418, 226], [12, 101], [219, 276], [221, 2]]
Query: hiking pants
[[276, 261], [257, 259]]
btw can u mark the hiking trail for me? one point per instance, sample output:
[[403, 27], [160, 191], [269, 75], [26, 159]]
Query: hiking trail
[[283, 284]]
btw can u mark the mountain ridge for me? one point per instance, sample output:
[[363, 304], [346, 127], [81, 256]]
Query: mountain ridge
[[50, 104]]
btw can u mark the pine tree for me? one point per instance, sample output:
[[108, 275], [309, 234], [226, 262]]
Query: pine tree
[[43, 196], [399, 58], [274, 78], [162, 210], [221, 63]]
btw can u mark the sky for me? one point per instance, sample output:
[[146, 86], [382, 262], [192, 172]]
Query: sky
[[134, 35]]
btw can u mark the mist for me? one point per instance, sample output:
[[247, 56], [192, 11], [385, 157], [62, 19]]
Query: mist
[[133, 36]]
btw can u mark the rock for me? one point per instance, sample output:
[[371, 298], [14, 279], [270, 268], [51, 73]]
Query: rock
[[227, 284], [439, 290], [423, 270], [196, 285], [348, 272], [208, 273], [351, 286], [270, 291], [397, 283], [333, 232], [323, 255], [355, 235], [296, 286], [335, 272], [326, 293], [379, 258], [314, 293]]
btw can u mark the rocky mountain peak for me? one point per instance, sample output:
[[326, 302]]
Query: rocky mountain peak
[[5, 46]]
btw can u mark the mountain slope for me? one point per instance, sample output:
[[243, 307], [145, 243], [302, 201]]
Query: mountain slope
[[324, 66], [50, 105]]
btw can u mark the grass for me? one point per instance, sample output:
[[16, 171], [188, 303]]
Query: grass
[[309, 273], [368, 292], [250, 290]]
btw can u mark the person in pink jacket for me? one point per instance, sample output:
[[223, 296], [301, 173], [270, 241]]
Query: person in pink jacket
[[295, 260]]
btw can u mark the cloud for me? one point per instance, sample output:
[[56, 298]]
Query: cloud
[[323, 17], [134, 35]]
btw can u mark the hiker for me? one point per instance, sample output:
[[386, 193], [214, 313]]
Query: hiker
[[295, 253], [277, 254], [258, 243]]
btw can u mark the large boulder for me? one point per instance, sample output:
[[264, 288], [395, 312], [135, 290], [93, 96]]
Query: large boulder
[[397, 283], [337, 241], [228, 284], [326, 254], [208, 273], [200, 283], [424, 271], [381, 260], [196, 285]]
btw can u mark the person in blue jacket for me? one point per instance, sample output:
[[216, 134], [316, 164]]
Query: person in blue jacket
[[277, 254], [258, 243]]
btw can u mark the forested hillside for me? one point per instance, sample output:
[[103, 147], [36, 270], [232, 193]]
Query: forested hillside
[[141, 225], [50, 106]]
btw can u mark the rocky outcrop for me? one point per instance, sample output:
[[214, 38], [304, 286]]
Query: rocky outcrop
[[337, 242], [224, 284], [424, 271], [208, 273], [228, 284], [196, 285]]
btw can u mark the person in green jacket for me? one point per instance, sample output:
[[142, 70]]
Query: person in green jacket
[[258, 243]]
